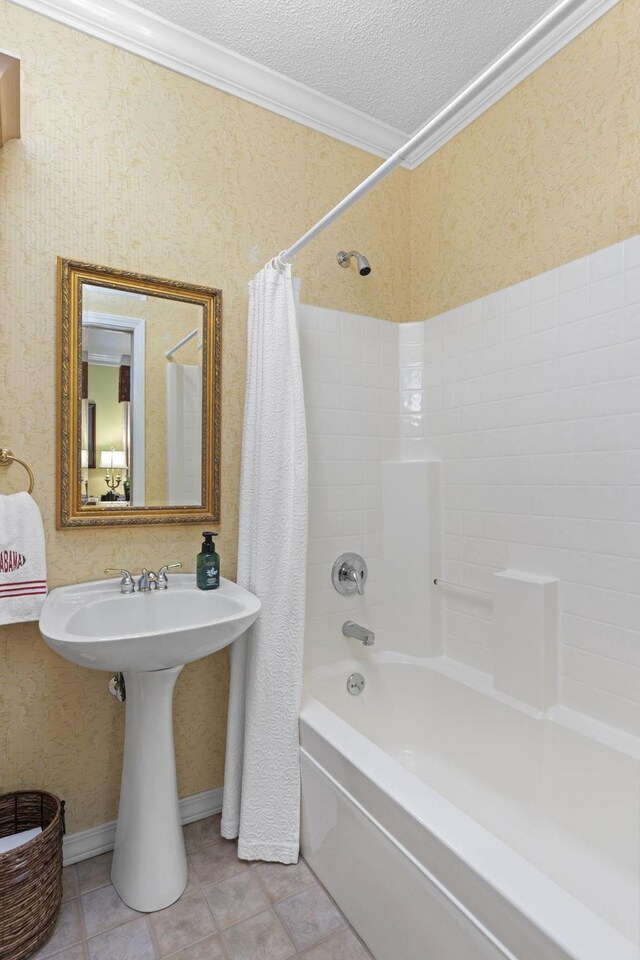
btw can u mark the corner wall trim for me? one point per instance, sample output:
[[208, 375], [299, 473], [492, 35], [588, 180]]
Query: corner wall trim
[[96, 840], [143, 33]]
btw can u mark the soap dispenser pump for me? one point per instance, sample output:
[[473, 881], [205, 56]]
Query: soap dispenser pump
[[208, 564]]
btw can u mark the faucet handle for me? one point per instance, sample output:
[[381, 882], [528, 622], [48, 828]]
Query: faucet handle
[[349, 574], [163, 580], [356, 576], [127, 584]]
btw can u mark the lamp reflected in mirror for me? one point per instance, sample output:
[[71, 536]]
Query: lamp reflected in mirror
[[115, 463]]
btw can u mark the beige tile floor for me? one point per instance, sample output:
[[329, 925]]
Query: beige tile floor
[[231, 910]]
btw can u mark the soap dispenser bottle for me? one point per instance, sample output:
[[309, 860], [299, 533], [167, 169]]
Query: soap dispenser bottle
[[208, 564]]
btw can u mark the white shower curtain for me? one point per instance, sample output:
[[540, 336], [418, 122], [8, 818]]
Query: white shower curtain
[[262, 780]]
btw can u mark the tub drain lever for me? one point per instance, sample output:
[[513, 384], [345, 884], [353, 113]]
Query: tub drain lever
[[355, 684]]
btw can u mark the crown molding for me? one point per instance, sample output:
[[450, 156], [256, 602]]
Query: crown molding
[[559, 27], [149, 36]]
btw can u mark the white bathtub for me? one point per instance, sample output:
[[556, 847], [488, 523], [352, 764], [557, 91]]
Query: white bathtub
[[449, 825]]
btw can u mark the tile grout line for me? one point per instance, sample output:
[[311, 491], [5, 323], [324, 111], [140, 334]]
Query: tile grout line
[[267, 908], [343, 915], [83, 924], [253, 865], [223, 945], [194, 876], [154, 943], [272, 903]]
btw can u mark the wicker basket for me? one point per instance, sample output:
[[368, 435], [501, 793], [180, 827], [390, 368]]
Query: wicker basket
[[30, 875]]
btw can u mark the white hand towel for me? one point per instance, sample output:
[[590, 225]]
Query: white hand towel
[[23, 571], [17, 839]]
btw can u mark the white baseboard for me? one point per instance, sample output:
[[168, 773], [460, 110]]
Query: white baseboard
[[89, 843]]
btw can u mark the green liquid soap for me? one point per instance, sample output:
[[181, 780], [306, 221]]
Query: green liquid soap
[[208, 564]]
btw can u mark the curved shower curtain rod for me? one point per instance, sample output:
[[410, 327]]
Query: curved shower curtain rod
[[526, 42]]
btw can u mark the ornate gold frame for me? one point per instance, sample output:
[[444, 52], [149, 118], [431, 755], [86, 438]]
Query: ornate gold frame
[[71, 512]]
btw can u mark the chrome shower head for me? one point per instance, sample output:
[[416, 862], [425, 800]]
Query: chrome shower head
[[364, 267]]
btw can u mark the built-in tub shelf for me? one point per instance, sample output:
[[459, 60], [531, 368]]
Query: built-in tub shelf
[[9, 98]]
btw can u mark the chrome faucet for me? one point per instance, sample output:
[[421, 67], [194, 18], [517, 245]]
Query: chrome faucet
[[352, 629], [163, 580], [147, 581], [127, 584]]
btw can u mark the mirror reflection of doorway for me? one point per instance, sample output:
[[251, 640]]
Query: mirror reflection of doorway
[[113, 350]]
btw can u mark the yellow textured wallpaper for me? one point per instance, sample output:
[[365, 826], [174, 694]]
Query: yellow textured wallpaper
[[127, 164], [548, 174]]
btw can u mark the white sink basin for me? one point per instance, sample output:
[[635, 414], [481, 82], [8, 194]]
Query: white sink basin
[[94, 625], [148, 637]]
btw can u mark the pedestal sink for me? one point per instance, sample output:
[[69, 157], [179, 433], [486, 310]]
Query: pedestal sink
[[148, 637]]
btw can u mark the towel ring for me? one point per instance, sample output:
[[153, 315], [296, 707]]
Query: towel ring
[[7, 458]]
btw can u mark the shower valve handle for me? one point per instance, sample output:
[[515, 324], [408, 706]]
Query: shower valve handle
[[349, 574]]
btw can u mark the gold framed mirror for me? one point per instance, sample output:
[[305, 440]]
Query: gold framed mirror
[[138, 398]]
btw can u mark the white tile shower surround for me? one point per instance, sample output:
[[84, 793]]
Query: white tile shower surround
[[530, 397], [350, 367], [231, 910]]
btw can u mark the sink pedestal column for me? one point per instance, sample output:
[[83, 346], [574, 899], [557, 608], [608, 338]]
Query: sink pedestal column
[[149, 861]]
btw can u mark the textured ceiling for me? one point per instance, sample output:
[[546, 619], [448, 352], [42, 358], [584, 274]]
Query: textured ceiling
[[399, 61]]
